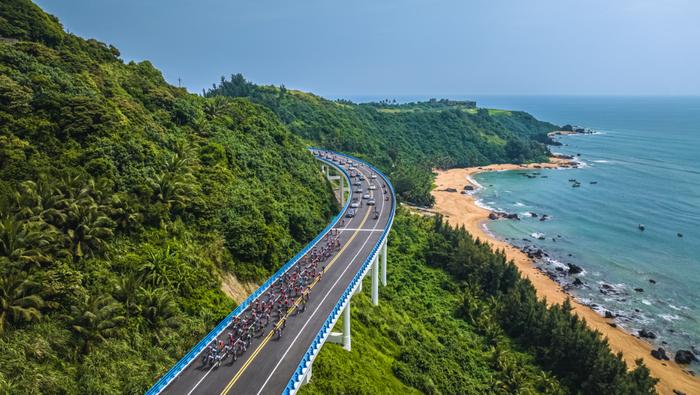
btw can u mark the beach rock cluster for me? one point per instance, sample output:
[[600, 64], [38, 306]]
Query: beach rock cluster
[[685, 357], [494, 215], [646, 334], [660, 354]]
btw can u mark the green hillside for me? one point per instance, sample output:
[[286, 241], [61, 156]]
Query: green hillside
[[404, 140], [122, 198]]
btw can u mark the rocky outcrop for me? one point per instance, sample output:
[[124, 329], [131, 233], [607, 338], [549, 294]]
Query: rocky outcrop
[[685, 357], [574, 269], [646, 334], [660, 354]]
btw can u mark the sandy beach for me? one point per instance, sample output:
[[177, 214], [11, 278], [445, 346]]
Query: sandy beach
[[460, 209]]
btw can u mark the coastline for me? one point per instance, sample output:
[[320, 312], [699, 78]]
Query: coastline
[[462, 209]]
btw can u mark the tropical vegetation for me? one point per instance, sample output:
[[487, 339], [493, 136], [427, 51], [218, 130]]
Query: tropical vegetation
[[124, 201], [406, 141]]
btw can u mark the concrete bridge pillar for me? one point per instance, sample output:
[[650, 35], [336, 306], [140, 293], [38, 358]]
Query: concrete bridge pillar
[[375, 280], [384, 262], [343, 338], [346, 327]]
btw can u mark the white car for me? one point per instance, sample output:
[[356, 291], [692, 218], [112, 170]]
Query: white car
[[374, 176], [358, 190], [366, 196], [354, 204], [372, 187], [371, 202]]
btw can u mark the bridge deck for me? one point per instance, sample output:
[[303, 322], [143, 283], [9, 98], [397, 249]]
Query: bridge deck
[[269, 362]]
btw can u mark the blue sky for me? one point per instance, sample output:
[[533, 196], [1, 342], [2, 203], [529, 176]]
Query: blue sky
[[407, 47]]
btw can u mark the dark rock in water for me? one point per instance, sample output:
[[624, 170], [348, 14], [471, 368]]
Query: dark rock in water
[[468, 187], [660, 354], [641, 227], [639, 289], [637, 311], [571, 255], [493, 216], [554, 239], [578, 282], [609, 314], [528, 240], [559, 269], [533, 215], [646, 334], [679, 234], [513, 216], [679, 392], [574, 269], [685, 357], [594, 182], [652, 281]]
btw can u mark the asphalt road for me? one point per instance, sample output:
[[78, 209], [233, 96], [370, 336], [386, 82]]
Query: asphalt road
[[269, 362]]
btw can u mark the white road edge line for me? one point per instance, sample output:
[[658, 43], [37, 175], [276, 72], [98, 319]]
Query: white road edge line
[[344, 227], [316, 310]]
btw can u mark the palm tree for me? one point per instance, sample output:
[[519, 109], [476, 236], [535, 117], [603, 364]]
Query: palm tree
[[164, 267], [215, 106], [19, 299], [91, 233], [158, 310], [127, 288], [95, 319], [25, 242]]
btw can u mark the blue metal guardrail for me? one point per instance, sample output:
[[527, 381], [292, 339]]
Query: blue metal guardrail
[[192, 354], [305, 363]]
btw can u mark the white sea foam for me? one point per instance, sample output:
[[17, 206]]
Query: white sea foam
[[473, 182], [646, 302], [670, 317], [537, 235], [518, 204], [601, 161], [483, 205]]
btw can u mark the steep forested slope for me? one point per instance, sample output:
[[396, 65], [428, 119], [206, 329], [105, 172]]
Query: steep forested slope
[[404, 140], [122, 198]]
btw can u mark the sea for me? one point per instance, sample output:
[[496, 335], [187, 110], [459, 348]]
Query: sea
[[639, 169]]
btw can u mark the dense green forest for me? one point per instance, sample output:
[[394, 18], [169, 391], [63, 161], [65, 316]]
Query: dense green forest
[[406, 141], [456, 318], [124, 199]]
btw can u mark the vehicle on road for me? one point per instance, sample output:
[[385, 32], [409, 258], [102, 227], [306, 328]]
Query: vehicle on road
[[350, 213], [358, 190], [371, 202], [372, 187]]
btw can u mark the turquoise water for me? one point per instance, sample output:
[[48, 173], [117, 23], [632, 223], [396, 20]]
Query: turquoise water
[[645, 161]]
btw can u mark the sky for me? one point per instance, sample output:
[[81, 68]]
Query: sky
[[407, 47]]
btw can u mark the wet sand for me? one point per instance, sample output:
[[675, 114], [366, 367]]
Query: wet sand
[[459, 209]]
